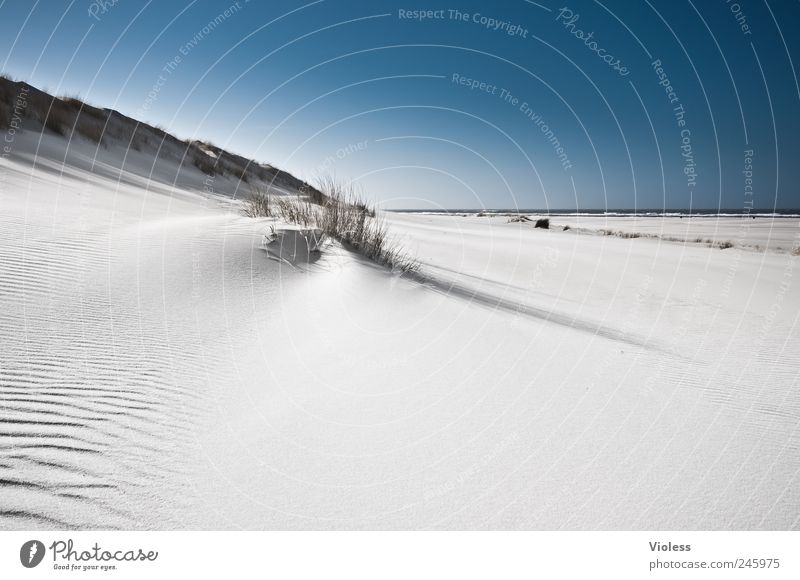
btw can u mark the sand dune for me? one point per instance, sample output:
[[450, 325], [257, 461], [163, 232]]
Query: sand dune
[[159, 371]]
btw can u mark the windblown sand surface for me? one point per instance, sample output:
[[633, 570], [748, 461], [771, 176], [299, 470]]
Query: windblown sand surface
[[760, 233], [158, 370]]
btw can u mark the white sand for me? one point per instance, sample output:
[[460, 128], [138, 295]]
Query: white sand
[[158, 370], [771, 233]]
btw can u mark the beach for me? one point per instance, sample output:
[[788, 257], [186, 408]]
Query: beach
[[160, 371]]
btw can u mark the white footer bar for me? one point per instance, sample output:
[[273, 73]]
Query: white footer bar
[[400, 555]]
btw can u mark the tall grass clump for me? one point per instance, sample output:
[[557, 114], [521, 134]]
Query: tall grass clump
[[353, 222], [342, 215], [259, 204], [543, 223], [298, 211]]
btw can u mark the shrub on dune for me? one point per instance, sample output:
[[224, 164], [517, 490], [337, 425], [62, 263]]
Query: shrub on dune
[[543, 223]]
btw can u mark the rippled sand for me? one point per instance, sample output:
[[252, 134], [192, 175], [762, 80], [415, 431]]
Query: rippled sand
[[159, 371]]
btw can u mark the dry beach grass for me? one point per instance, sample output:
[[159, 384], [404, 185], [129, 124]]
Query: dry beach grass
[[342, 214]]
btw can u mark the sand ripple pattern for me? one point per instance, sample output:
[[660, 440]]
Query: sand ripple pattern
[[92, 418]]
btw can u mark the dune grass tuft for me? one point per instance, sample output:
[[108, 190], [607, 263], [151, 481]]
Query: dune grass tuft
[[342, 215], [259, 204]]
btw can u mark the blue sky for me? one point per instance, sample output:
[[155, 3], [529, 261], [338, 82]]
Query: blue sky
[[564, 112]]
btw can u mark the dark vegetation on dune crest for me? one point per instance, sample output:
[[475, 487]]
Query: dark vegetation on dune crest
[[67, 116], [26, 107], [342, 214], [333, 207]]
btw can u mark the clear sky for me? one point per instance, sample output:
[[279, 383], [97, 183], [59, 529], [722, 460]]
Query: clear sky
[[584, 104]]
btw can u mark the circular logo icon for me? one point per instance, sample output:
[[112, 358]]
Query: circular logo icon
[[31, 553]]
